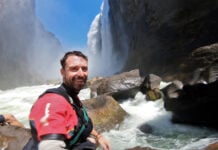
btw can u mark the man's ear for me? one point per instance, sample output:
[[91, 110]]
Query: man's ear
[[62, 71]]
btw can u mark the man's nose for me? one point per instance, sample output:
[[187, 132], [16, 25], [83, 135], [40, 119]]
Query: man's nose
[[80, 72]]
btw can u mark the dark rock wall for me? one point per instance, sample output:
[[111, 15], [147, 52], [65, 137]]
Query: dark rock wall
[[160, 35]]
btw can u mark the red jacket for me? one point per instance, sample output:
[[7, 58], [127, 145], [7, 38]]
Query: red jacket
[[52, 114]]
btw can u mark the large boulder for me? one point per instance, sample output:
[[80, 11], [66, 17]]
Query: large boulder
[[120, 86], [105, 112], [193, 104], [13, 138], [202, 64]]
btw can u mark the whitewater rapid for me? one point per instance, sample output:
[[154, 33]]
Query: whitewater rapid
[[163, 136]]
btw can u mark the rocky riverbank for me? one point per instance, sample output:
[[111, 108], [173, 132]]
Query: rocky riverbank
[[191, 104]]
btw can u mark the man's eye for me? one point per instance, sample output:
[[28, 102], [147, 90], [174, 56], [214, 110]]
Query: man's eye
[[84, 69], [74, 69]]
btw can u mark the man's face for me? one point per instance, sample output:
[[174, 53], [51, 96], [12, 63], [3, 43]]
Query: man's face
[[75, 72]]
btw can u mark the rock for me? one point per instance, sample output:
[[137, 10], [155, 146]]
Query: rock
[[123, 95], [150, 82], [171, 90], [151, 87], [120, 86], [13, 138], [153, 95], [203, 62], [120, 82], [213, 146], [193, 104], [105, 112], [146, 128], [93, 84]]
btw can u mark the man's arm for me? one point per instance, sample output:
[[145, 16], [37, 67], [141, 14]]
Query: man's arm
[[100, 140], [11, 120], [52, 145]]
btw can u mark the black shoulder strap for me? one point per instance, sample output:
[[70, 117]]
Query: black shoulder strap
[[61, 91]]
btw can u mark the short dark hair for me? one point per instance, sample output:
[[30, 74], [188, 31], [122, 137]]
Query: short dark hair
[[76, 53]]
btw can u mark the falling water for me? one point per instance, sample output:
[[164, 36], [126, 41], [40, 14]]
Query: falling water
[[103, 61]]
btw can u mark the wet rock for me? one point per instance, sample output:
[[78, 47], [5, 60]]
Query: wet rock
[[13, 138], [151, 87], [105, 112], [146, 128], [171, 90], [123, 95], [120, 82], [150, 82], [153, 95], [203, 62], [120, 86], [193, 104], [93, 84], [213, 146]]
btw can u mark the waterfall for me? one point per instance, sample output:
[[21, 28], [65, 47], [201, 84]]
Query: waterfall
[[100, 49]]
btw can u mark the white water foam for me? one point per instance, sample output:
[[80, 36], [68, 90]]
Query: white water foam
[[163, 135]]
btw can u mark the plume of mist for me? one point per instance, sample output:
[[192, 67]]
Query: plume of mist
[[102, 58], [29, 53]]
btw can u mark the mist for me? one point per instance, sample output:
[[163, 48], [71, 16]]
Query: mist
[[29, 54], [103, 60]]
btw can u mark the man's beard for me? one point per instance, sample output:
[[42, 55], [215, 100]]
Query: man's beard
[[76, 83]]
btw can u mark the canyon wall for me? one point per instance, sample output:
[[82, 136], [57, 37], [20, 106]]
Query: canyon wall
[[161, 36]]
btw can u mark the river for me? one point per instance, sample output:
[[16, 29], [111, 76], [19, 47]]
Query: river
[[163, 136]]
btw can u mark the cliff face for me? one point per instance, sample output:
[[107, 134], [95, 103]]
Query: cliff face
[[161, 35], [27, 50]]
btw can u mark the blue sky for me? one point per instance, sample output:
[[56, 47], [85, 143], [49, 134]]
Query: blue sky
[[69, 20]]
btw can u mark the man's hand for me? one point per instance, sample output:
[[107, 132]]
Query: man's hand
[[103, 142], [100, 140]]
